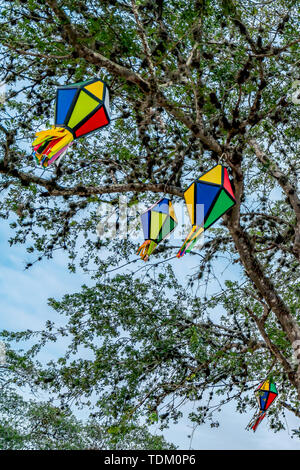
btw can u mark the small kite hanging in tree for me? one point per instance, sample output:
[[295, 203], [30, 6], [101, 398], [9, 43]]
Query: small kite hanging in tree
[[207, 199], [265, 393], [157, 222], [80, 109]]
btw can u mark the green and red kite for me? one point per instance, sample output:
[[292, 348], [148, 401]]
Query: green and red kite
[[265, 393]]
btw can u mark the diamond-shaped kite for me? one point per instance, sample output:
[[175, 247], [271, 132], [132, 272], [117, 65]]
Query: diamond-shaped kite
[[81, 108], [157, 222], [207, 199], [265, 393]]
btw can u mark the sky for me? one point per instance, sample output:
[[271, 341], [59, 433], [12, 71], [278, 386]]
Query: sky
[[23, 304]]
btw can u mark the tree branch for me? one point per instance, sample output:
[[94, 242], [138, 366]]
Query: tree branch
[[286, 186], [56, 190], [271, 346]]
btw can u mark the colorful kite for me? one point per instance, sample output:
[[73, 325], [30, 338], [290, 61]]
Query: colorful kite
[[207, 199], [265, 393], [81, 108], [158, 222]]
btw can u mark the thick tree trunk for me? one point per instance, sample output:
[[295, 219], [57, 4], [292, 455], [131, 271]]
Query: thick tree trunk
[[267, 289]]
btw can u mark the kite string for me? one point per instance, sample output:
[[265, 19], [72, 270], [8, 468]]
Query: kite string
[[224, 156], [288, 430]]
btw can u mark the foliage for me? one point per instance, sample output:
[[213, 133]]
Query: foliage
[[191, 85], [32, 425]]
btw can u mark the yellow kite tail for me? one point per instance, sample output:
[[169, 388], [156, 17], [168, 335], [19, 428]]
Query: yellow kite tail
[[190, 241], [50, 144], [146, 249]]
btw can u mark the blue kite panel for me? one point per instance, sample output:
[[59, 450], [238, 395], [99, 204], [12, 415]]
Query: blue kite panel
[[64, 101], [263, 400], [145, 218], [205, 195], [162, 206]]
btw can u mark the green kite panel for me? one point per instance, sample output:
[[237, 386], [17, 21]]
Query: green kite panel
[[224, 202], [84, 106]]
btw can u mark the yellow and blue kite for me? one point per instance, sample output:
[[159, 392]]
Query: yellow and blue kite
[[157, 222], [207, 199]]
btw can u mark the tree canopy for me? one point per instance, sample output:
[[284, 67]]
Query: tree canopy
[[192, 84], [32, 425]]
